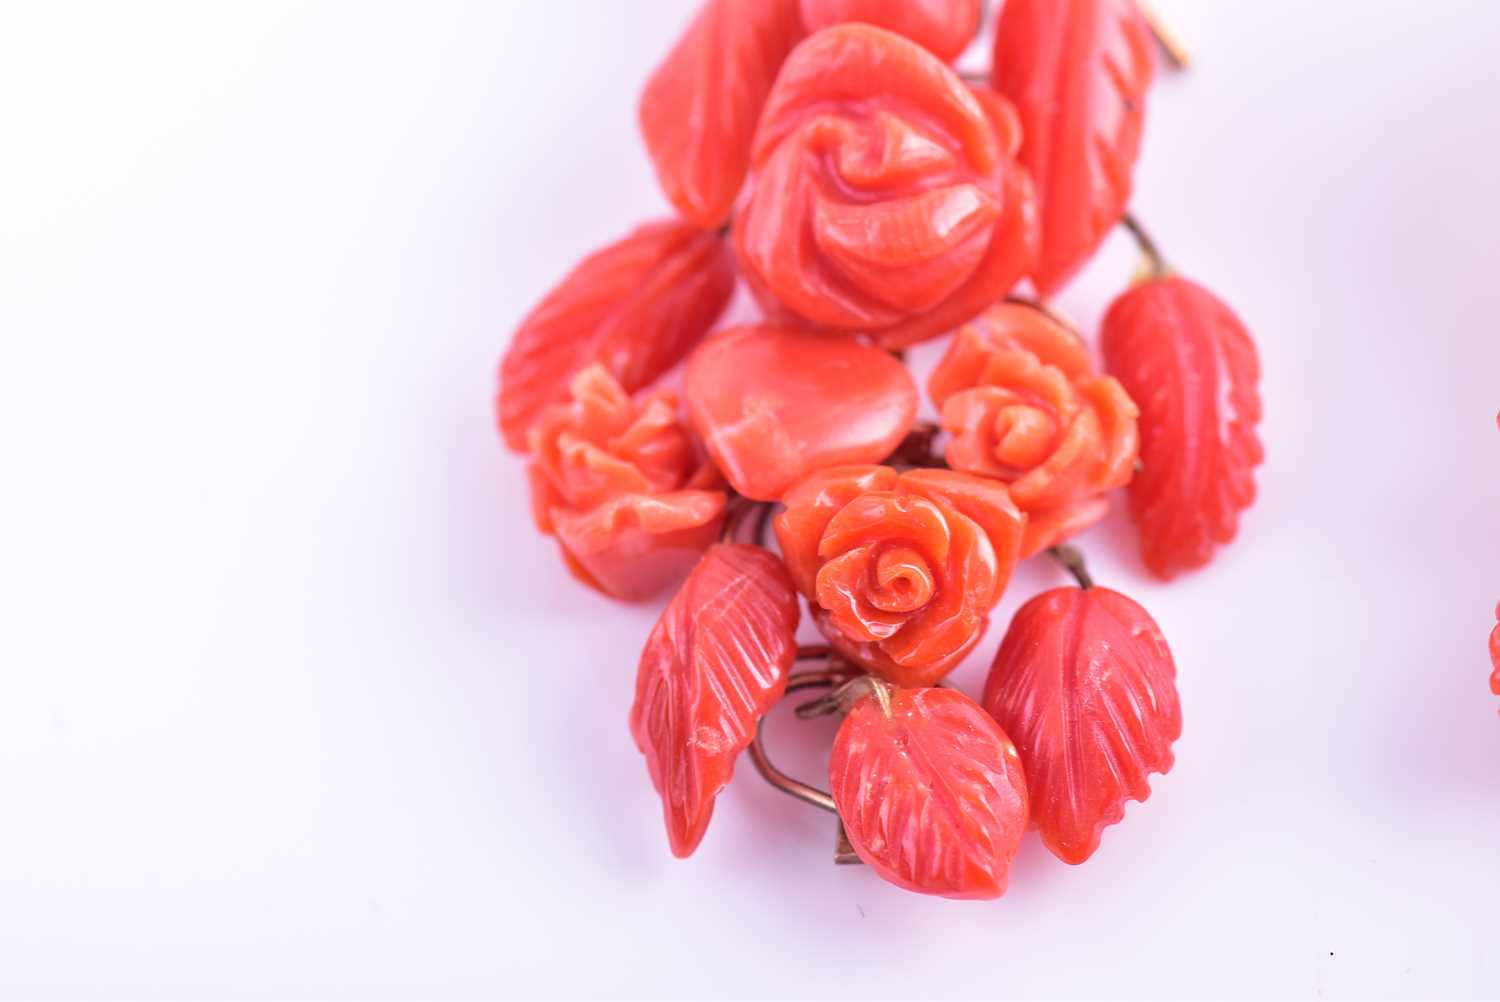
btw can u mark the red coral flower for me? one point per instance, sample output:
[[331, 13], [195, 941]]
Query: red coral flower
[[1021, 397], [900, 570], [622, 487], [886, 198]]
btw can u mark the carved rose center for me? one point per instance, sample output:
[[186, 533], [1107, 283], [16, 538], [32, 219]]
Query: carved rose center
[[1024, 435], [901, 580]]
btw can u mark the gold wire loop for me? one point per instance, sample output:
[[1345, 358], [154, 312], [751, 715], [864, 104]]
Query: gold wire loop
[[1171, 43], [780, 780]]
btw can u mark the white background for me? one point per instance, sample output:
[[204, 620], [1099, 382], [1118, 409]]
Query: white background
[[293, 701]]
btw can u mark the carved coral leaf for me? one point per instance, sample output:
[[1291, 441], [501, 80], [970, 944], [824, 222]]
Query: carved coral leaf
[[716, 661], [1085, 686], [636, 306], [930, 791], [1191, 367], [699, 110], [1078, 72]]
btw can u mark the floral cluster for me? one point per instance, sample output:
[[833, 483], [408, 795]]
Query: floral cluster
[[826, 154]]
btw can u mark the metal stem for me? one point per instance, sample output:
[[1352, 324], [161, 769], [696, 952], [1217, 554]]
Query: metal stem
[[1041, 308], [1071, 559], [843, 849], [763, 522], [1170, 42], [1156, 263], [786, 784]]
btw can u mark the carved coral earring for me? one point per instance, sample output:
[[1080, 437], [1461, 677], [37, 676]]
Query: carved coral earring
[[827, 154]]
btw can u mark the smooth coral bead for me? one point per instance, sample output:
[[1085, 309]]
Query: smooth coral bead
[[772, 405]]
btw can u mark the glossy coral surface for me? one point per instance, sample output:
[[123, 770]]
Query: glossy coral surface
[[1019, 394], [1192, 369], [1495, 654], [716, 661], [900, 570], [1086, 687], [1078, 72], [932, 794], [943, 27], [622, 487], [885, 198], [700, 107], [635, 306], [772, 405]]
